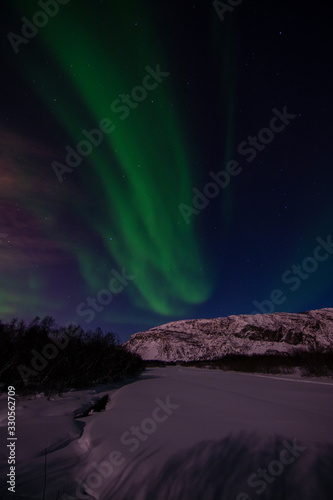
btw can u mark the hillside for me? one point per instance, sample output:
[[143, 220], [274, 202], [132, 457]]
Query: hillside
[[205, 339]]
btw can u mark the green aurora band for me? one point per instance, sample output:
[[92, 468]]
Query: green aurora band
[[141, 169]]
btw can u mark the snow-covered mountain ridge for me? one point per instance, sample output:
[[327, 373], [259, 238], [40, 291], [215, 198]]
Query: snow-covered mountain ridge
[[204, 339]]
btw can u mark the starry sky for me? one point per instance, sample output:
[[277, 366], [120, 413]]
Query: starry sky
[[164, 160]]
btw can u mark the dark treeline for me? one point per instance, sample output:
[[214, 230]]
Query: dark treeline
[[309, 364], [42, 356]]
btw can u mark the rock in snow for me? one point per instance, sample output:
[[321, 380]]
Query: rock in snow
[[206, 339]]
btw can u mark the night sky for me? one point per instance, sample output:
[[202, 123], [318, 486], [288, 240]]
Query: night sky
[[164, 160]]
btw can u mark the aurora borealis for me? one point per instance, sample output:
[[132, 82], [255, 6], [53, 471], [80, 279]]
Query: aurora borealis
[[161, 94]]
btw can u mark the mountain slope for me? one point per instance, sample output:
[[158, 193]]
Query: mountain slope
[[200, 339]]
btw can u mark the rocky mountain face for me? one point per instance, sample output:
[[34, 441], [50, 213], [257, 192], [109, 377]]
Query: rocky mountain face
[[206, 339]]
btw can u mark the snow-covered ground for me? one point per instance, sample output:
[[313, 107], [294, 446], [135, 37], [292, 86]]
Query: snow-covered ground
[[178, 433]]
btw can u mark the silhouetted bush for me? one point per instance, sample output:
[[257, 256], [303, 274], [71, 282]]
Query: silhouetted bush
[[41, 356]]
